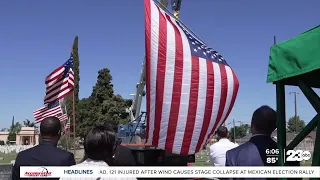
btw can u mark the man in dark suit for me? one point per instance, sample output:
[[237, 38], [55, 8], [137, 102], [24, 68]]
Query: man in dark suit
[[123, 156], [46, 153], [253, 153]]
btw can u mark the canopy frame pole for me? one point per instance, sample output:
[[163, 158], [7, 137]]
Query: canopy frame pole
[[314, 100], [281, 119], [281, 122]]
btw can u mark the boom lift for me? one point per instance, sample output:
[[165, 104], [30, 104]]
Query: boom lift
[[146, 154]]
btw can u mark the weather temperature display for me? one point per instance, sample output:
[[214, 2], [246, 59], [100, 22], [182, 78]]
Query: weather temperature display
[[272, 156]]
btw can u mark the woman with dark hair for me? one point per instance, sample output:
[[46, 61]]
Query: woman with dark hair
[[99, 147]]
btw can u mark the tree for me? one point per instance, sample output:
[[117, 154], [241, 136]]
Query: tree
[[13, 130], [292, 126], [68, 101], [240, 131], [28, 123], [101, 106]]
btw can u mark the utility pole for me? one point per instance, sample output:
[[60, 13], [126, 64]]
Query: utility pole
[[295, 109], [234, 130]]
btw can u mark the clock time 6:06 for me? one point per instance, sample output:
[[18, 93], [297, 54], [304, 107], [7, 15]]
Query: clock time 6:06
[[272, 151]]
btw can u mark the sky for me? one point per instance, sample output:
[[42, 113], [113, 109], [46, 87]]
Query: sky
[[36, 37]]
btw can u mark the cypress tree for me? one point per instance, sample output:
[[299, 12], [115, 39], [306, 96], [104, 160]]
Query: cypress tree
[[68, 101]]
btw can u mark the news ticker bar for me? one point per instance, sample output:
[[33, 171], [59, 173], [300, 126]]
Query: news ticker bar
[[171, 172]]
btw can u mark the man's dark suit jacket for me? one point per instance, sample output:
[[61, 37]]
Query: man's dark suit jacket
[[44, 154], [252, 153], [124, 157]]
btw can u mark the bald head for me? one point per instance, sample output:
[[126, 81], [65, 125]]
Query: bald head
[[264, 120], [50, 127]]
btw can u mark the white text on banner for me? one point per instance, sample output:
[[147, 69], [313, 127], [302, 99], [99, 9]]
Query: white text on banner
[[172, 172]]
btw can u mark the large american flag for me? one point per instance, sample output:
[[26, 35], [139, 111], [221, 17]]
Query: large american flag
[[60, 82], [50, 109], [190, 87]]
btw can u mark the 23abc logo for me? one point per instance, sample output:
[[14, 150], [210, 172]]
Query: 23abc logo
[[298, 155]]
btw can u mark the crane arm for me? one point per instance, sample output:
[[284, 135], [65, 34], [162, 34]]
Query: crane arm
[[137, 100]]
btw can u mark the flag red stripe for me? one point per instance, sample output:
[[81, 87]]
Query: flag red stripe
[[48, 113], [184, 108], [58, 95], [161, 71], [52, 77], [51, 112], [234, 94], [223, 97], [194, 91], [209, 103], [56, 85], [148, 59], [176, 90]]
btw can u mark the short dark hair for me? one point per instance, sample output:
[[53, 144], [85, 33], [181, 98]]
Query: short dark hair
[[99, 143], [264, 120], [222, 132], [50, 126]]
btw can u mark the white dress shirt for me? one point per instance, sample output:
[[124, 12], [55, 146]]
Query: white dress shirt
[[218, 151], [97, 164]]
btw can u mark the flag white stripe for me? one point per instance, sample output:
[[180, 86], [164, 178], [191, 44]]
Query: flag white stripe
[[185, 91], [228, 98], [216, 99], [51, 111], [201, 104], [153, 68], [56, 74], [168, 84], [229, 93], [62, 90]]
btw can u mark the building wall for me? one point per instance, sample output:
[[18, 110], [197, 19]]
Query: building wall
[[4, 136], [25, 131]]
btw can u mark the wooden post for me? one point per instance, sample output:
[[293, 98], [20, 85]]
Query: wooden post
[[74, 123], [67, 134], [66, 131]]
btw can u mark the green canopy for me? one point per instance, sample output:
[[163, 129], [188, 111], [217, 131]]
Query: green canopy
[[298, 57]]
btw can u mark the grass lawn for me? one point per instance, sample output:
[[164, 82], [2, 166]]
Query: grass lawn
[[7, 158]]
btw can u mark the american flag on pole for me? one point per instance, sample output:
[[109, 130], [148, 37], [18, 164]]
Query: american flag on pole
[[60, 82], [63, 117], [51, 109], [190, 87]]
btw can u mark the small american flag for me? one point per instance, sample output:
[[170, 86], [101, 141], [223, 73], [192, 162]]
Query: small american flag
[[63, 117], [51, 109], [67, 126], [60, 82], [190, 87]]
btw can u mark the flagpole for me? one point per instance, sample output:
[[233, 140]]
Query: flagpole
[[67, 138], [74, 123], [67, 134]]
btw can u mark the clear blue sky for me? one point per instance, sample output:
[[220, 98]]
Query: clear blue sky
[[36, 37]]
